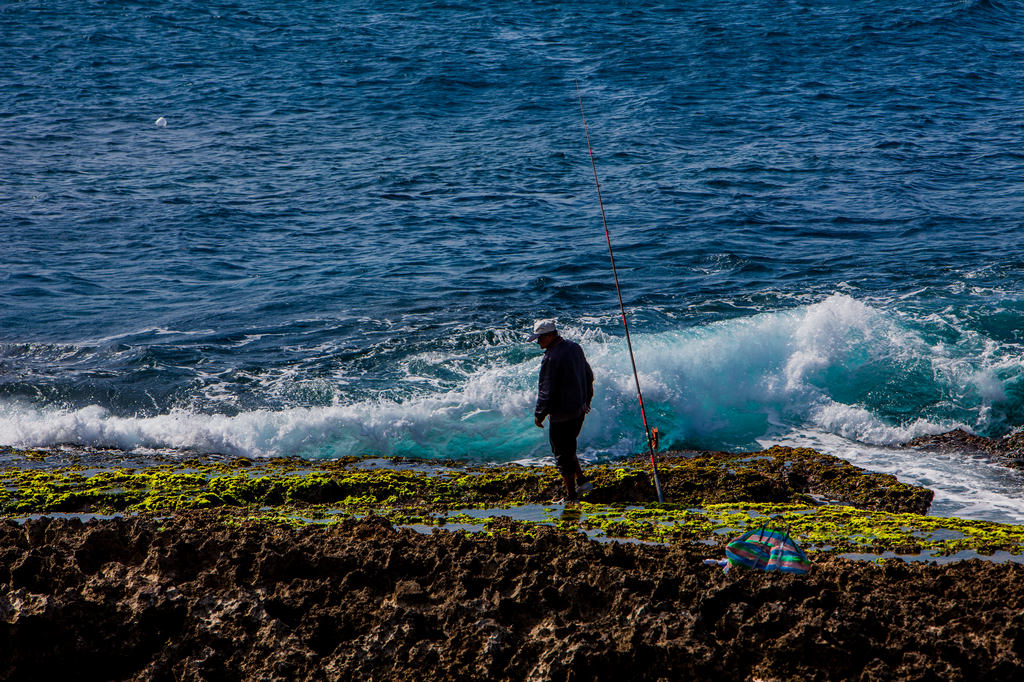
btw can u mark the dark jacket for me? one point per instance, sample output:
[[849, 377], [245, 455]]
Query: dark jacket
[[566, 382]]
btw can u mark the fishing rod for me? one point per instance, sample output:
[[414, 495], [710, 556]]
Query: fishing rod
[[622, 308]]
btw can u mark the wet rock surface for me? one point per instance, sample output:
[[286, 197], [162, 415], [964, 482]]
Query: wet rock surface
[[190, 597], [783, 474], [1008, 450]]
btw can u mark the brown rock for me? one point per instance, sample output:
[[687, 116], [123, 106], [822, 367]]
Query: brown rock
[[197, 599]]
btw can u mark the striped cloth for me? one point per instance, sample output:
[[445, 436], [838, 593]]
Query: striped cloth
[[767, 550]]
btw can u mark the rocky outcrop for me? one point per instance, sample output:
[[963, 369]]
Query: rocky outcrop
[[1008, 450], [781, 474], [192, 597]]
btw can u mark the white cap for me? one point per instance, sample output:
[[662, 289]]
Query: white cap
[[541, 327]]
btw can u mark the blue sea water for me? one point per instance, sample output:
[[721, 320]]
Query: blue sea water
[[320, 228]]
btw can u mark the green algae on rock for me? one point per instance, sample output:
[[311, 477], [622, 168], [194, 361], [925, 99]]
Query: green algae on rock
[[713, 496], [777, 475], [830, 529], [820, 530]]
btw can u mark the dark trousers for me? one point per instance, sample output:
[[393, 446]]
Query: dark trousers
[[563, 437]]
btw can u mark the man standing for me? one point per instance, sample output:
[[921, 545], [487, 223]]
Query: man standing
[[564, 395]]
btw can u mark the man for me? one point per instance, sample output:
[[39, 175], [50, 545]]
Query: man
[[564, 395]]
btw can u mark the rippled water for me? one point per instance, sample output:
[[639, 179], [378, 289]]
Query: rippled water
[[338, 236]]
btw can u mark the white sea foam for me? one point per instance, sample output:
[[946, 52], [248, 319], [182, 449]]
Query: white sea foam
[[858, 424], [481, 417]]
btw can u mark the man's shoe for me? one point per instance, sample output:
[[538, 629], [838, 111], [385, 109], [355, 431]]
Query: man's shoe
[[566, 500], [584, 488]]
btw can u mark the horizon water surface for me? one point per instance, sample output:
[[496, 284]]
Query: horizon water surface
[[337, 237]]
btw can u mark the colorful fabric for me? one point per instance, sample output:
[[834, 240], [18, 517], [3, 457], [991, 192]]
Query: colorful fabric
[[767, 549]]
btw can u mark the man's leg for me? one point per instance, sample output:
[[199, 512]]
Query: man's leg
[[563, 446], [577, 426], [563, 436], [570, 487]]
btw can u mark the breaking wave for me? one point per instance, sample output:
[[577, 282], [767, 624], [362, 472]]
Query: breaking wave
[[839, 366]]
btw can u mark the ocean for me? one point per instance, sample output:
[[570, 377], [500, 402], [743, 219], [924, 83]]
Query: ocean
[[325, 228]]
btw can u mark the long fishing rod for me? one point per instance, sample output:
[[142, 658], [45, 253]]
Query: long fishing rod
[[625, 325]]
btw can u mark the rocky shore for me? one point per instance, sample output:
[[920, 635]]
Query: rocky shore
[[117, 568], [192, 598]]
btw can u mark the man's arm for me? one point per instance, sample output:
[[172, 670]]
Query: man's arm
[[590, 383], [543, 393]]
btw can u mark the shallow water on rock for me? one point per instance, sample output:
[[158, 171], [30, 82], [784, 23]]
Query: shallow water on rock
[[931, 556]]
